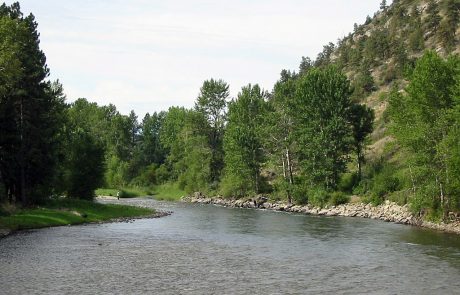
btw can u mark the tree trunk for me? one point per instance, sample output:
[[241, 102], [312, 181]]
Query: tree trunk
[[21, 158]]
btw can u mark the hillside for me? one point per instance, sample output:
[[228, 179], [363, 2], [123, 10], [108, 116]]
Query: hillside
[[381, 53]]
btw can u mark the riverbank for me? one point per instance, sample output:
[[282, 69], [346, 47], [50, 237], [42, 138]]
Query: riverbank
[[389, 211], [71, 212]]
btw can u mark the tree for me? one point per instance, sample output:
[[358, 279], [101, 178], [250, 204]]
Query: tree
[[416, 41], [383, 5], [433, 18], [85, 166], [321, 107], [363, 84], [243, 142], [420, 123], [212, 103], [324, 57], [151, 150], [305, 65], [184, 136], [34, 114], [448, 26], [361, 119], [279, 142]]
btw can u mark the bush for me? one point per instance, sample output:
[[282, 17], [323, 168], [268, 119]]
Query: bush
[[300, 194], [318, 197], [385, 183], [338, 198], [374, 199], [233, 186], [348, 182]]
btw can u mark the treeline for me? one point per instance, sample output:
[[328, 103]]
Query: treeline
[[304, 141]]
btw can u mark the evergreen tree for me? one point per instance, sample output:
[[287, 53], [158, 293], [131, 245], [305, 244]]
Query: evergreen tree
[[416, 42], [305, 65], [33, 118], [383, 5], [433, 18], [449, 25]]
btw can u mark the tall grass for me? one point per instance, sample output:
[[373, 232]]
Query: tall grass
[[168, 192], [68, 211]]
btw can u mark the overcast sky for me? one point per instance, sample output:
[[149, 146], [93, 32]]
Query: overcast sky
[[148, 55]]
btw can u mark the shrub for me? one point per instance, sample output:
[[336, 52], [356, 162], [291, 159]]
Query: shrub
[[300, 194], [385, 182], [348, 182], [318, 197], [338, 198]]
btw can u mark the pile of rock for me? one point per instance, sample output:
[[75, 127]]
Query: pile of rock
[[389, 211]]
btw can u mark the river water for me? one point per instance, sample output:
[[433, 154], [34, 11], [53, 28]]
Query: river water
[[203, 249]]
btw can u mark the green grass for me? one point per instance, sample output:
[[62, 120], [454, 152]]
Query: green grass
[[68, 211], [131, 192], [168, 192]]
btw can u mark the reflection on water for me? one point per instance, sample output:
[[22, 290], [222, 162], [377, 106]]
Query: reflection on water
[[203, 249]]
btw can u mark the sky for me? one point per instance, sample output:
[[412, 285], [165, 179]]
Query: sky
[[148, 55]]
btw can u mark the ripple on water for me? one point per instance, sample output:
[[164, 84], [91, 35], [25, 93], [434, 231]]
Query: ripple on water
[[214, 250]]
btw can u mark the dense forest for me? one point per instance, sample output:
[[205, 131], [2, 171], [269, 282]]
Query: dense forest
[[376, 115]]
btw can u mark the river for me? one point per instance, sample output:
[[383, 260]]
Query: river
[[204, 249]]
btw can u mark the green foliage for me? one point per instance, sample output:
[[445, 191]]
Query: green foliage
[[279, 126], [338, 198], [31, 111], [385, 182], [68, 211], [318, 197], [212, 103], [185, 135], [85, 166], [448, 26], [361, 119], [300, 192], [363, 85], [168, 192], [423, 124], [243, 142], [126, 192], [348, 182], [433, 18], [320, 108]]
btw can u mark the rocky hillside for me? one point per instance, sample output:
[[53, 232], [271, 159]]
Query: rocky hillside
[[381, 53]]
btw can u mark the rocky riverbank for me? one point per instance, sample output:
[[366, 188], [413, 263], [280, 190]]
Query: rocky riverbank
[[389, 211]]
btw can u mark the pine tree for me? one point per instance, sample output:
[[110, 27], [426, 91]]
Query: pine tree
[[383, 5], [433, 18], [34, 116]]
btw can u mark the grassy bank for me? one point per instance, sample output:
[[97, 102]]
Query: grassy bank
[[168, 192], [65, 212], [163, 192], [124, 192]]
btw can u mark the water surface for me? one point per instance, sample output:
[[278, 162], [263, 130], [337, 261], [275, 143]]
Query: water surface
[[203, 249]]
